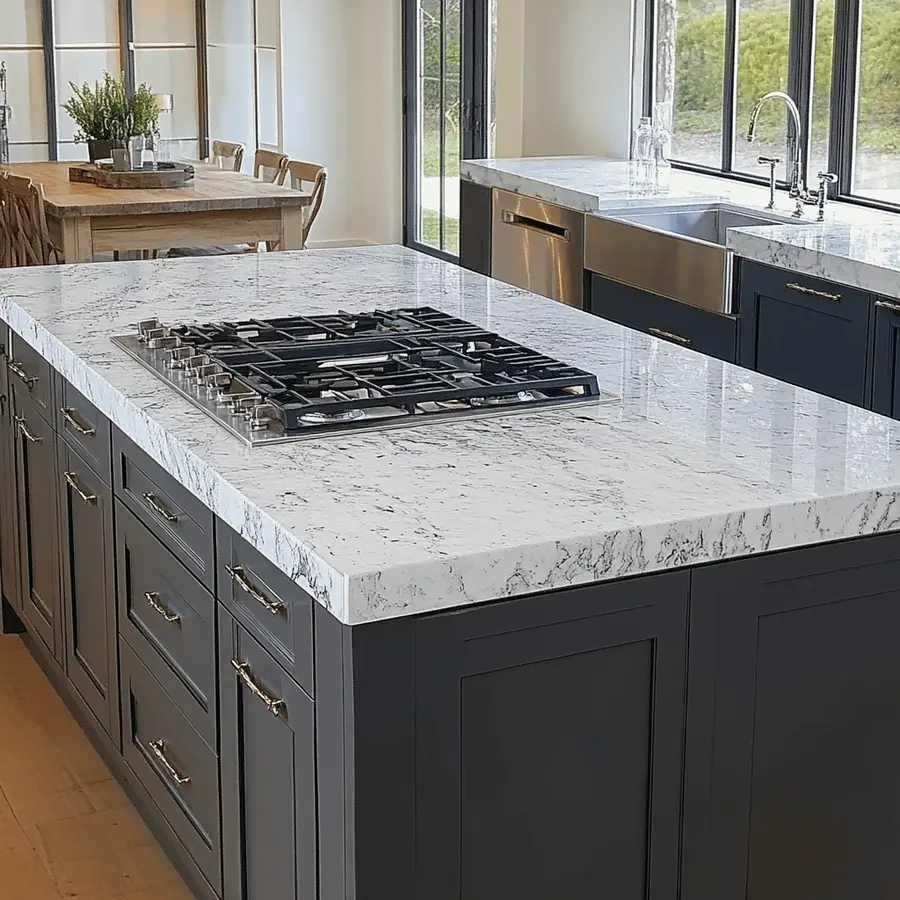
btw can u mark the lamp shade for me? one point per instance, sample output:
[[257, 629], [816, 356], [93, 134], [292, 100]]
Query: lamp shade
[[163, 102]]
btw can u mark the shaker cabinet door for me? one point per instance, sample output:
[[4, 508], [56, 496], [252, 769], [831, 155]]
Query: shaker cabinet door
[[805, 331], [37, 522], [548, 740], [268, 774], [886, 367], [9, 526], [88, 586]]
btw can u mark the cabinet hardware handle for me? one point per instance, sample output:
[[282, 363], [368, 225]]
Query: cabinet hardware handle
[[240, 579], [90, 499], [153, 599], [23, 427], [16, 368], [668, 336], [159, 751], [69, 415], [158, 508], [805, 290], [242, 671], [887, 304]]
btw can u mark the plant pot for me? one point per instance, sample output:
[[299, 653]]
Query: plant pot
[[103, 149]]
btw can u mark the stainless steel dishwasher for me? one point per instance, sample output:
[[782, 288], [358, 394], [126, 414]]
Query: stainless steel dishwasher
[[538, 246]]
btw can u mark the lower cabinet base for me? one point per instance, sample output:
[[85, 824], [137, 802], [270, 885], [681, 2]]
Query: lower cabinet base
[[10, 623], [135, 791]]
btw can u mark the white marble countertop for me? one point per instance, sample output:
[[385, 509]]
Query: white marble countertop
[[855, 245], [699, 461]]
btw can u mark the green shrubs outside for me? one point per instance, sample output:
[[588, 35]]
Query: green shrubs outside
[[762, 65]]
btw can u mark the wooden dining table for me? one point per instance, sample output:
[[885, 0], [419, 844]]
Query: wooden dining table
[[218, 207]]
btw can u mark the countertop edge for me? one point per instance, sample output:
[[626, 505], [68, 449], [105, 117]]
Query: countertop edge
[[313, 574]]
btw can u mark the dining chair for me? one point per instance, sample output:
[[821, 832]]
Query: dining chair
[[270, 166], [227, 155], [305, 176], [25, 223]]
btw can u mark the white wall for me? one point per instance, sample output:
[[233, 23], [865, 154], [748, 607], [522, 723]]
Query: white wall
[[576, 77], [342, 108]]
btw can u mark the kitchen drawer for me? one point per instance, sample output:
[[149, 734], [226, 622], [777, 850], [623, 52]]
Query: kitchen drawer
[[170, 511], [272, 606], [174, 764], [84, 427], [168, 618], [29, 368], [688, 326]]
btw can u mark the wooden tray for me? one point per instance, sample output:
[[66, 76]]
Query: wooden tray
[[179, 175]]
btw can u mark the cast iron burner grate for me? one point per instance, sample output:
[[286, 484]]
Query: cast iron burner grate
[[310, 375]]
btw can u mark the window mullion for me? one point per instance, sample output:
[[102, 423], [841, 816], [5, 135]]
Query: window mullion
[[842, 135], [800, 71], [729, 97]]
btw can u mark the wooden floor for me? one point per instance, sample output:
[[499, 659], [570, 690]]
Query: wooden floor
[[67, 830]]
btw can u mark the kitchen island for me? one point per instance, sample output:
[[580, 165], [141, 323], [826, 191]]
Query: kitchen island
[[548, 653]]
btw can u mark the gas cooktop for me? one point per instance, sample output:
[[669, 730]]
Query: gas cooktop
[[273, 380]]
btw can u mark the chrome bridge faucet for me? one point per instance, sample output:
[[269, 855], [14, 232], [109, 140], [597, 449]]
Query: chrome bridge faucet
[[797, 188]]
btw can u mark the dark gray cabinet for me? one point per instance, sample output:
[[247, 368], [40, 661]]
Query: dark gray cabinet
[[793, 726], [9, 527], [548, 745], [475, 227], [688, 326], [36, 488], [805, 331], [268, 774], [88, 586], [886, 359]]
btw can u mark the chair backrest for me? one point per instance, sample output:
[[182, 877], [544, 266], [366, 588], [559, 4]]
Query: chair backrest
[[308, 176], [227, 155], [270, 165], [26, 222]]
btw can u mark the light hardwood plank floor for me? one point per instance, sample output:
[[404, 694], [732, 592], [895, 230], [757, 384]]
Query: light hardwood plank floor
[[67, 830]]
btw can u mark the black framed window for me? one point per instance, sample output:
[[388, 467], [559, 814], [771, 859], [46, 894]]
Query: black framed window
[[709, 60], [446, 61]]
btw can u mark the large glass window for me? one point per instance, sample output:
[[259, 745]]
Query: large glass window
[[837, 59], [876, 170], [690, 74]]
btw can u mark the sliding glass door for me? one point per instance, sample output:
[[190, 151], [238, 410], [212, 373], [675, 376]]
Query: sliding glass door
[[446, 93]]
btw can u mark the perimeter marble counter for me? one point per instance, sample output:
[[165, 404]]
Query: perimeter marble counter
[[699, 460]]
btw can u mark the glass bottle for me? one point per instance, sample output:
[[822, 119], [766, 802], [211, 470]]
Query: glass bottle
[[642, 152]]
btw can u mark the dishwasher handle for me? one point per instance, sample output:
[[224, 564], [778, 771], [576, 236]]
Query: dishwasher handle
[[560, 232]]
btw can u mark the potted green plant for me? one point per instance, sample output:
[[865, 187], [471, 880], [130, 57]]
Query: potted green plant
[[107, 116]]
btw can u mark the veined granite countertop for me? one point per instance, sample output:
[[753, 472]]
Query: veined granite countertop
[[855, 245], [699, 460], [863, 256]]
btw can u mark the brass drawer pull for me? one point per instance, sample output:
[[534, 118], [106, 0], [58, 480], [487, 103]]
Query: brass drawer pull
[[23, 427], [158, 749], [240, 579], [16, 369], [158, 508], [888, 304], [153, 599], [69, 415], [90, 499], [242, 671], [668, 336], [805, 290]]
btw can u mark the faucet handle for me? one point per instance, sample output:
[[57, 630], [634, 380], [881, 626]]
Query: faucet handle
[[768, 160], [827, 178], [771, 162]]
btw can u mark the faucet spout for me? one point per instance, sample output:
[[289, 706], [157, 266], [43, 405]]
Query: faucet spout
[[798, 181]]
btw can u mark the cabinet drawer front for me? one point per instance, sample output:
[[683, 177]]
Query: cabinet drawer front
[[31, 371], [168, 618], [267, 602], [268, 774], [84, 427], [688, 326], [88, 586], [175, 765], [172, 513]]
